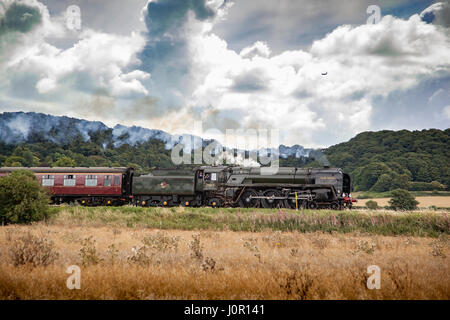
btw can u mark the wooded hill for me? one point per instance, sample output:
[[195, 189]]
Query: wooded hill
[[377, 161], [386, 160]]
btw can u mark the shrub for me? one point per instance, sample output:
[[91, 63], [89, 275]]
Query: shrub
[[22, 199], [296, 284], [88, 252], [403, 200], [112, 253], [320, 243], [196, 248], [426, 186], [437, 185], [161, 242], [252, 245], [139, 256], [372, 205], [34, 251], [364, 246], [419, 186]]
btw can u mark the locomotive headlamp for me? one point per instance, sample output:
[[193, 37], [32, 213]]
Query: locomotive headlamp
[[165, 203]]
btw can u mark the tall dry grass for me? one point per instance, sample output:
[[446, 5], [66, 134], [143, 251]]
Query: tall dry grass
[[141, 263]]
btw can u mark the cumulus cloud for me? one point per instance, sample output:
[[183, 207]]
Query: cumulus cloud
[[180, 71], [438, 13], [446, 111], [96, 60], [167, 56], [259, 48], [102, 56], [18, 18], [360, 62]]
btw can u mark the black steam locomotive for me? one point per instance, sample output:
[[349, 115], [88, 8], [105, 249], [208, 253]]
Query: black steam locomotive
[[226, 186], [215, 186]]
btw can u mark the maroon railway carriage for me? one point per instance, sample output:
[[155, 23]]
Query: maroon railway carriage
[[85, 185]]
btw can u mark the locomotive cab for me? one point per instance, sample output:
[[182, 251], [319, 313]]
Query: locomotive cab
[[209, 178], [347, 186]]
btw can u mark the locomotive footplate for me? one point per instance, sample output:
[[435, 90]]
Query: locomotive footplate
[[299, 197]]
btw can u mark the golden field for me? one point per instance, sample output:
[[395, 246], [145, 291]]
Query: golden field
[[144, 263], [424, 201]]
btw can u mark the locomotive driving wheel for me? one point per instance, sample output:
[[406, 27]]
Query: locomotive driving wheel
[[269, 200], [335, 205], [247, 199], [313, 205], [290, 203]]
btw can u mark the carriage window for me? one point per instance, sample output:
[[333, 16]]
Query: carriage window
[[116, 180], [107, 181], [48, 181], [91, 181], [69, 180]]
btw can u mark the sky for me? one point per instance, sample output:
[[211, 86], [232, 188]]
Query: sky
[[319, 72]]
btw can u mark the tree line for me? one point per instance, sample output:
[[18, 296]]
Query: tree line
[[377, 161]]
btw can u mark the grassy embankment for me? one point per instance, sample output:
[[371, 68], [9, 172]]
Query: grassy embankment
[[383, 222]]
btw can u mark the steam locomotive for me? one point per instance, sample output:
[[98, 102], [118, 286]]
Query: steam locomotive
[[214, 186]]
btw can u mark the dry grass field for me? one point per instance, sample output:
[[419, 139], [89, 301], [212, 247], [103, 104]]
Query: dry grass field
[[424, 201], [144, 263]]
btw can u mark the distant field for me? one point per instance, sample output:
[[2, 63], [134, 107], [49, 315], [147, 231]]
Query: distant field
[[387, 194], [424, 202]]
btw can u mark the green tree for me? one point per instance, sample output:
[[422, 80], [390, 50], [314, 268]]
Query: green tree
[[400, 181], [14, 161], [383, 183], [424, 174], [29, 159], [435, 185], [372, 205], [64, 161], [368, 175], [22, 199], [403, 200], [137, 168]]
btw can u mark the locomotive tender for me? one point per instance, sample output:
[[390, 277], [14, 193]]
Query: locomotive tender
[[215, 186]]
